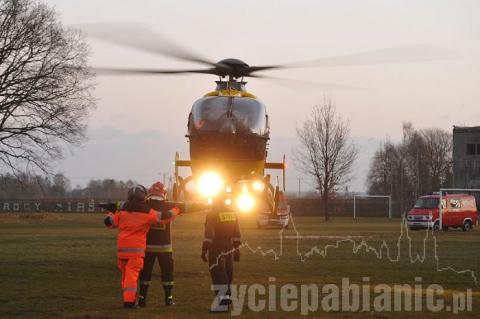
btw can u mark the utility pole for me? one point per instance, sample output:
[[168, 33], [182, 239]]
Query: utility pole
[[299, 186], [164, 180]]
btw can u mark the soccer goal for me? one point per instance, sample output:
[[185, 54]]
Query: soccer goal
[[372, 196], [454, 190]]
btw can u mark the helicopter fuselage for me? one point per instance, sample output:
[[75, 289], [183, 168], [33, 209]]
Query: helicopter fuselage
[[228, 132]]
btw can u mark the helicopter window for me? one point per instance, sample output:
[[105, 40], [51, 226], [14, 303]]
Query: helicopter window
[[249, 115], [210, 114]]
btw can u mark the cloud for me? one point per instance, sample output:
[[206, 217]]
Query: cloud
[[111, 152]]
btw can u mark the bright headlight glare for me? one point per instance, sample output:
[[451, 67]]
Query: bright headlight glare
[[228, 202], [245, 202], [210, 184], [258, 186]]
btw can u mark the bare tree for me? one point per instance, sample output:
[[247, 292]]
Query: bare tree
[[326, 152], [381, 175], [421, 163], [44, 86], [438, 156]]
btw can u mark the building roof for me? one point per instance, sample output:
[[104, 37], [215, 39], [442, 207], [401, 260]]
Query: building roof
[[466, 129]]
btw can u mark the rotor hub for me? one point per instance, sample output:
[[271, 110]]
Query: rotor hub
[[232, 67]]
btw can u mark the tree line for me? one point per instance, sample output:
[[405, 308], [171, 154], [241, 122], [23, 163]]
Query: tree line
[[421, 163], [30, 186]]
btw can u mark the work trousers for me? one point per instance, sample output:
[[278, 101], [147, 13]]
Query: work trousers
[[165, 261], [130, 269], [221, 268]]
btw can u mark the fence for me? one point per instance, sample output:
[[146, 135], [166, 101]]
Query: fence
[[51, 205], [343, 207], [299, 206]]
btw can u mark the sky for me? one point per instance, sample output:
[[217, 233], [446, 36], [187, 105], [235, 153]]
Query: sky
[[140, 121]]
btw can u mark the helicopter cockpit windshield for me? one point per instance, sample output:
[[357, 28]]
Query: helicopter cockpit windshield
[[222, 114]]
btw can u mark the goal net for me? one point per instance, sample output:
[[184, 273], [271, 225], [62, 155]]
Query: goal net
[[372, 206]]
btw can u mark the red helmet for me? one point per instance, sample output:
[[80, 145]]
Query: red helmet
[[157, 192]]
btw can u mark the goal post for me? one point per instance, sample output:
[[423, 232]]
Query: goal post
[[372, 196], [440, 206]]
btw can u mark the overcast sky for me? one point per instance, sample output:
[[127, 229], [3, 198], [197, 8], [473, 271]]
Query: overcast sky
[[141, 121]]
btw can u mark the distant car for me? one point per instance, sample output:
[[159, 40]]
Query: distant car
[[458, 210], [280, 219]]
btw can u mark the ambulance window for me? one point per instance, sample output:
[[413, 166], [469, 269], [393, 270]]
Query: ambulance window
[[467, 203], [455, 203], [426, 203], [471, 149], [444, 203]]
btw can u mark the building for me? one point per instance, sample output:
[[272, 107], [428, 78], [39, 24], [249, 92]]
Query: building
[[466, 157]]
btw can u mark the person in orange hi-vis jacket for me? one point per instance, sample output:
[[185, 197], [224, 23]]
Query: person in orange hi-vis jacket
[[133, 221]]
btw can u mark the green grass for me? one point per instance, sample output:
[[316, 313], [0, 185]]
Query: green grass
[[64, 265]]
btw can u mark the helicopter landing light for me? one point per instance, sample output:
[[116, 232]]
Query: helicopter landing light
[[258, 186], [210, 184], [245, 203]]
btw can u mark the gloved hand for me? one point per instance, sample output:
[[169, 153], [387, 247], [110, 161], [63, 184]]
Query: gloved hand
[[167, 215], [236, 255], [107, 221], [204, 256]]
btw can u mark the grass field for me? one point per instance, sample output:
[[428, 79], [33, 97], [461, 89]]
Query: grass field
[[64, 265]]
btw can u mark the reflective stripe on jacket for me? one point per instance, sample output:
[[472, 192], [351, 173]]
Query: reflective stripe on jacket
[[160, 248]]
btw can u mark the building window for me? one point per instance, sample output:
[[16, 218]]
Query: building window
[[471, 149], [478, 149]]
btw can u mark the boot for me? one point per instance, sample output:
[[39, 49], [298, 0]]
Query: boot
[[169, 301], [142, 302], [130, 305], [168, 295], [142, 296], [223, 304]]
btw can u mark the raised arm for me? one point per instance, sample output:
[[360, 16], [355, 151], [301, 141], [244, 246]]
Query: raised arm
[[112, 220]]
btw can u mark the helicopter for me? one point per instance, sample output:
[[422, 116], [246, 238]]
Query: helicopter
[[228, 128]]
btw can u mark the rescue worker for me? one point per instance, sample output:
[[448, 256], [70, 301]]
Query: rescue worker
[[220, 248], [133, 220], [159, 246]]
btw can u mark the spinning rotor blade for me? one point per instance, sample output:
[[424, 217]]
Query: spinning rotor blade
[[301, 84], [402, 54], [140, 37], [119, 71]]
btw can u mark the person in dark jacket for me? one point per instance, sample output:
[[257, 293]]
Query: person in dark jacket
[[159, 247], [220, 248]]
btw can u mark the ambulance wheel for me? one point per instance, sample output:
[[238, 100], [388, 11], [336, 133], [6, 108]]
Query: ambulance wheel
[[467, 225], [436, 226]]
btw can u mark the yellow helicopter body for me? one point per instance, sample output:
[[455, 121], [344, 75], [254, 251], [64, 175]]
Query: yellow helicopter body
[[228, 132]]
